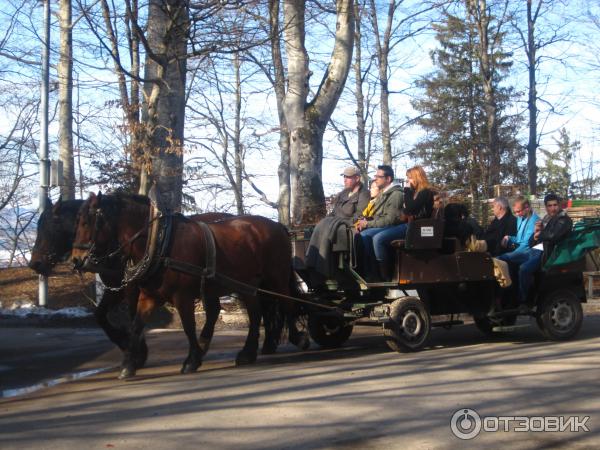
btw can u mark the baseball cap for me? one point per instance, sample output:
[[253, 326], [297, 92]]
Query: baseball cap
[[351, 171]]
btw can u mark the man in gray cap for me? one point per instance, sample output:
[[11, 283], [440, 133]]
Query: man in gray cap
[[350, 203]]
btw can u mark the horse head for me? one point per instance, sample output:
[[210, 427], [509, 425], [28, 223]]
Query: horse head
[[55, 231], [92, 233]]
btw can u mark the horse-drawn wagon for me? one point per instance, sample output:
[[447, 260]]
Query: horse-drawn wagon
[[432, 277]]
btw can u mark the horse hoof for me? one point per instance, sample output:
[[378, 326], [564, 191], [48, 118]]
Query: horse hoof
[[244, 359], [302, 341], [268, 350], [190, 367], [127, 372]]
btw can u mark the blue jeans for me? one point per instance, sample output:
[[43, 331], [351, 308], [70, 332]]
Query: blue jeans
[[376, 241], [516, 257], [526, 271]]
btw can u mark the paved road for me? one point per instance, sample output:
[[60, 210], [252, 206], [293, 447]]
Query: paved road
[[359, 396]]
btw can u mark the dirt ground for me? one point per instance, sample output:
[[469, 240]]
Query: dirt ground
[[19, 285], [65, 287]]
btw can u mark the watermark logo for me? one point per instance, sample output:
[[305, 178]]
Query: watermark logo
[[466, 423]]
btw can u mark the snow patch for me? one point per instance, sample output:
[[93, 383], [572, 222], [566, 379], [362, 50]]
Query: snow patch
[[22, 309]]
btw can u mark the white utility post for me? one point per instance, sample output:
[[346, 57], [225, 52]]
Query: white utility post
[[43, 151]]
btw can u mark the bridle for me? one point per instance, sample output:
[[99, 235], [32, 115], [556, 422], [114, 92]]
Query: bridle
[[90, 246], [95, 260]]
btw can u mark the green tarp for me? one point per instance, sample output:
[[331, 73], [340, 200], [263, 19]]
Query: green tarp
[[584, 237]]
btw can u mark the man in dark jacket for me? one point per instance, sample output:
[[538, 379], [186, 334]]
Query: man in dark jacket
[[553, 228], [353, 199], [504, 224]]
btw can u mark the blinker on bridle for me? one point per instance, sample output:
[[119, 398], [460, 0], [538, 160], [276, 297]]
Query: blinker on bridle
[[91, 244]]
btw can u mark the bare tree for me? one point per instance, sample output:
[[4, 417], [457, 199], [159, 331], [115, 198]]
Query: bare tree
[[307, 120], [535, 39]]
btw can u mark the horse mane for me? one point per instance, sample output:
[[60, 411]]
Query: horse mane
[[114, 202]]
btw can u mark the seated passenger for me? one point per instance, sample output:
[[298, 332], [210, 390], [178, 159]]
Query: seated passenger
[[553, 228], [519, 244], [460, 224], [387, 211], [369, 211], [418, 204], [503, 224], [347, 206], [418, 196], [353, 199]]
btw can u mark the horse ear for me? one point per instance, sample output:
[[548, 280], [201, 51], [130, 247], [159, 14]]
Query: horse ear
[[99, 196]]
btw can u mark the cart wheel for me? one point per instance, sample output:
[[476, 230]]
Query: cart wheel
[[560, 316], [409, 327], [486, 325], [328, 331]]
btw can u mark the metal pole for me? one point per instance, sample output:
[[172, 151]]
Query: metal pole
[[43, 151]]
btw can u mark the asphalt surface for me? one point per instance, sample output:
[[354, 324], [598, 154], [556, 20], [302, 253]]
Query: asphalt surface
[[358, 396]]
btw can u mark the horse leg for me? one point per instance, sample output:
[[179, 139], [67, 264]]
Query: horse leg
[[298, 338], [117, 335], [145, 306], [185, 307], [272, 324], [248, 354], [212, 309], [132, 293]]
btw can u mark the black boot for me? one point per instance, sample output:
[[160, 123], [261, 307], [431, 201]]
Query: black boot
[[384, 271]]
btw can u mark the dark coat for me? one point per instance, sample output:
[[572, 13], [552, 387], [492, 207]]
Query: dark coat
[[555, 230], [419, 207], [350, 207], [496, 230]]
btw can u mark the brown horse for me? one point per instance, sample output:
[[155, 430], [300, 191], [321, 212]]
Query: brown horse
[[54, 243], [251, 250]]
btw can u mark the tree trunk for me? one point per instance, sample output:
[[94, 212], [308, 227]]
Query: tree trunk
[[383, 50], [478, 10], [283, 171], [65, 101], [307, 121], [531, 102], [163, 109], [360, 98], [237, 145]]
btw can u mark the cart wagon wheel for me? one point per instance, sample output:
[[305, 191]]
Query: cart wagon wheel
[[560, 315], [486, 325], [409, 327], [328, 331]]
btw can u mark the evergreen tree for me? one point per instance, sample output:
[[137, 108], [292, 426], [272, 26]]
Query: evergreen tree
[[555, 175], [456, 149]]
